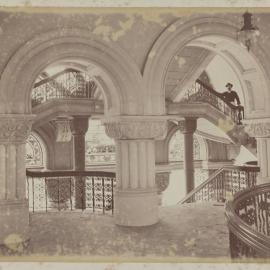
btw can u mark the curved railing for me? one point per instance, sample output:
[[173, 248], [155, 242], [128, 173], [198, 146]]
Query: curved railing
[[201, 92], [67, 84], [69, 190], [248, 219], [223, 184]]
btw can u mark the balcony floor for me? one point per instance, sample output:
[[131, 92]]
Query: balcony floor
[[188, 231]]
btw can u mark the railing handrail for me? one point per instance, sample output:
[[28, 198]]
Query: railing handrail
[[195, 190], [59, 173], [214, 175], [53, 77], [213, 91], [257, 240]]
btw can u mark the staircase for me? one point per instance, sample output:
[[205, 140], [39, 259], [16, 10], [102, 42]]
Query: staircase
[[201, 92], [67, 84], [223, 184]]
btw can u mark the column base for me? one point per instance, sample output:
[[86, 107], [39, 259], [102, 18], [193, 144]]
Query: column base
[[136, 207], [14, 225]]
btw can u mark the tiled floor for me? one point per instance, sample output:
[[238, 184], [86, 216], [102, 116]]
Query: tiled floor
[[187, 231]]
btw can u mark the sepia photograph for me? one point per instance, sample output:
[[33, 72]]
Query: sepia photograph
[[135, 133]]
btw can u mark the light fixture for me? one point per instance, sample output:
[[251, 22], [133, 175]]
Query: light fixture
[[248, 34]]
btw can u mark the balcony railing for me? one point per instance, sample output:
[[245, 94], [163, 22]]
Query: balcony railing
[[201, 92], [67, 84], [248, 219], [70, 190], [223, 184]]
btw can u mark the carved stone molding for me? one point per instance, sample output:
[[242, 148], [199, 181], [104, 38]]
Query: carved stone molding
[[15, 128], [189, 125], [130, 128], [162, 181], [258, 129], [63, 132]]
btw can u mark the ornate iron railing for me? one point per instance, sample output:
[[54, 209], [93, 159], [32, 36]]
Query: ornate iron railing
[[223, 184], [248, 219], [70, 190], [67, 84], [201, 92]]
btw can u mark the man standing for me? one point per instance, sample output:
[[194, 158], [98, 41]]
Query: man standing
[[230, 96]]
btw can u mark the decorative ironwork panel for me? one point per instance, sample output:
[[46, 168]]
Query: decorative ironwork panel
[[71, 192], [66, 84], [202, 93]]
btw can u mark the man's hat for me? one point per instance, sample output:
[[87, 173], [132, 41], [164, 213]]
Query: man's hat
[[229, 84]]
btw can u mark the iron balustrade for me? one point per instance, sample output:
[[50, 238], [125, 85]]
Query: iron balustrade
[[67, 84], [201, 92], [70, 190], [248, 220], [223, 184]]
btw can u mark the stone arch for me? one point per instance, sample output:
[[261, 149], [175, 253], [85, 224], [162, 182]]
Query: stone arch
[[202, 143], [120, 77], [179, 34], [39, 151]]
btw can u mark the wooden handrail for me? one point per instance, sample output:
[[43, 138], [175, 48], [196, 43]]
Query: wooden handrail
[[257, 241], [213, 91], [51, 78], [39, 174]]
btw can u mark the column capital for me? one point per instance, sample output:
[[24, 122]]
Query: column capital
[[136, 127], [79, 125], [189, 125], [15, 128], [258, 128]]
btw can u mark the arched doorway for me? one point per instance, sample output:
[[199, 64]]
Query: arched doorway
[[219, 37]]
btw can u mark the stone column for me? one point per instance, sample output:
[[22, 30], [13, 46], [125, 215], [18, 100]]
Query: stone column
[[78, 127], [188, 127], [260, 129], [14, 214], [136, 198]]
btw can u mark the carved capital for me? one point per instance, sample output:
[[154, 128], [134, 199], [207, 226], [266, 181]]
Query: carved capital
[[62, 127], [79, 125], [135, 128], [257, 128], [162, 181], [189, 125], [15, 128]]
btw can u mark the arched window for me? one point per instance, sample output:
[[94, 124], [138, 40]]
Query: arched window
[[35, 152], [176, 147], [100, 149]]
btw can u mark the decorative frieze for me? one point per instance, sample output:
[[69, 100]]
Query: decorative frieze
[[258, 128], [15, 128], [130, 128]]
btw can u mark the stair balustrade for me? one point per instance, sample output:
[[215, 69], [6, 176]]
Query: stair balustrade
[[67, 84], [223, 184], [248, 220], [200, 92]]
